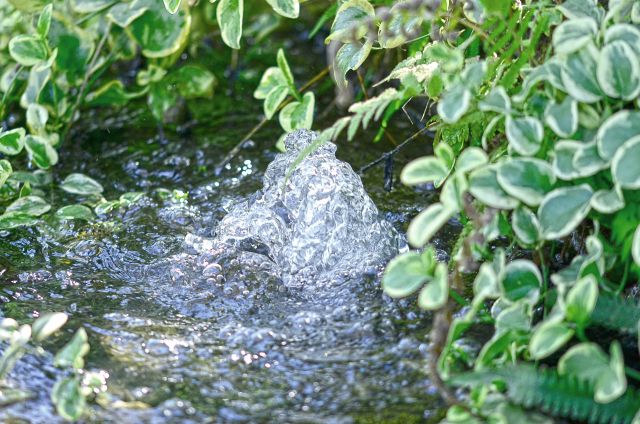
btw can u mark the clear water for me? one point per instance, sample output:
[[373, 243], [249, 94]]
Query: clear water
[[206, 318]]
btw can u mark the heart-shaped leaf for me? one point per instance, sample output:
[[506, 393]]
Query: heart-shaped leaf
[[619, 71], [562, 118], [525, 134]]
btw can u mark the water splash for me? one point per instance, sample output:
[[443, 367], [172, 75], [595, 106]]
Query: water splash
[[316, 224]]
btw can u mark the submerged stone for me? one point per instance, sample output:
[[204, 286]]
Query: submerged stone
[[319, 222]]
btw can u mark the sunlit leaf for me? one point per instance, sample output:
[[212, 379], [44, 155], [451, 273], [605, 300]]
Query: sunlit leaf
[[68, 399], [75, 212], [41, 151], [424, 170], [298, 115], [407, 272], [427, 223], [12, 142], [72, 354], [454, 103], [348, 23], [161, 34], [48, 324]]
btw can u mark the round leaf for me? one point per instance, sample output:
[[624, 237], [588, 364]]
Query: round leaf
[[526, 179], [406, 273], [548, 338], [427, 223], [616, 131], [484, 186], [562, 118], [454, 104], [619, 71], [524, 134], [161, 34], [424, 170], [12, 142], [41, 151], [435, 294], [470, 159], [624, 166], [563, 209], [574, 34], [522, 280]]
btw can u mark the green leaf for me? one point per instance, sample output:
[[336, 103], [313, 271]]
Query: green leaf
[[48, 324], [563, 155], [522, 281], [526, 179], [159, 33], [349, 58], [29, 6], [298, 115], [5, 171], [619, 71], [172, 5], [11, 220], [616, 131], [587, 161], [12, 142], [349, 23], [193, 81], [562, 118], [635, 246], [496, 101], [500, 7], [525, 134], [81, 184], [548, 338], [281, 59], [27, 50], [68, 399], [286, 8], [427, 223], [624, 166], [608, 201], [424, 170], [623, 32], [574, 34], [516, 317], [41, 151], [72, 354], [485, 285], [106, 207], [407, 272], [563, 209], [229, 14], [526, 226], [453, 191], [112, 93], [75, 212], [550, 71], [435, 294], [29, 205], [274, 99], [589, 363], [445, 153], [579, 75], [576, 9], [581, 300], [44, 21], [484, 186], [123, 14], [272, 78], [90, 6], [454, 103], [37, 117], [470, 159]]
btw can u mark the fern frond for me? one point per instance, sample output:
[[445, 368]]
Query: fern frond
[[560, 396], [616, 313]]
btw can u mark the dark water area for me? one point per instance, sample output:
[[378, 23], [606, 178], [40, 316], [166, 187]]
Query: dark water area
[[196, 346]]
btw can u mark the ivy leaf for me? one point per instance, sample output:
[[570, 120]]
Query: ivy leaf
[[407, 272], [427, 223], [524, 134], [484, 186], [286, 8], [616, 131], [348, 25], [454, 103], [424, 170], [77, 183], [229, 15], [172, 5], [581, 300], [5, 171], [563, 209], [41, 151], [349, 58], [562, 118], [27, 50], [624, 166], [29, 205], [574, 34], [522, 281], [44, 21], [298, 115], [12, 142], [548, 338], [68, 399], [526, 179], [526, 226], [435, 293], [75, 212], [579, 75], [496, 101], [619, 71], [72, 354], [48, 324]]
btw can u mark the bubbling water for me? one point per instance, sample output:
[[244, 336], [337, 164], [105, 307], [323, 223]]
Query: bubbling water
[[316, 224]]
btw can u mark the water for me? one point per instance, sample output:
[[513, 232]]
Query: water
[[205, 318]]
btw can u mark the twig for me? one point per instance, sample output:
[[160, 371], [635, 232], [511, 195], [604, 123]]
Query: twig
[[395, 150], [85, 82], [236, 149]]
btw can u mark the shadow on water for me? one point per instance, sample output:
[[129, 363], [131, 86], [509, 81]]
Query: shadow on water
[[203, 347]]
